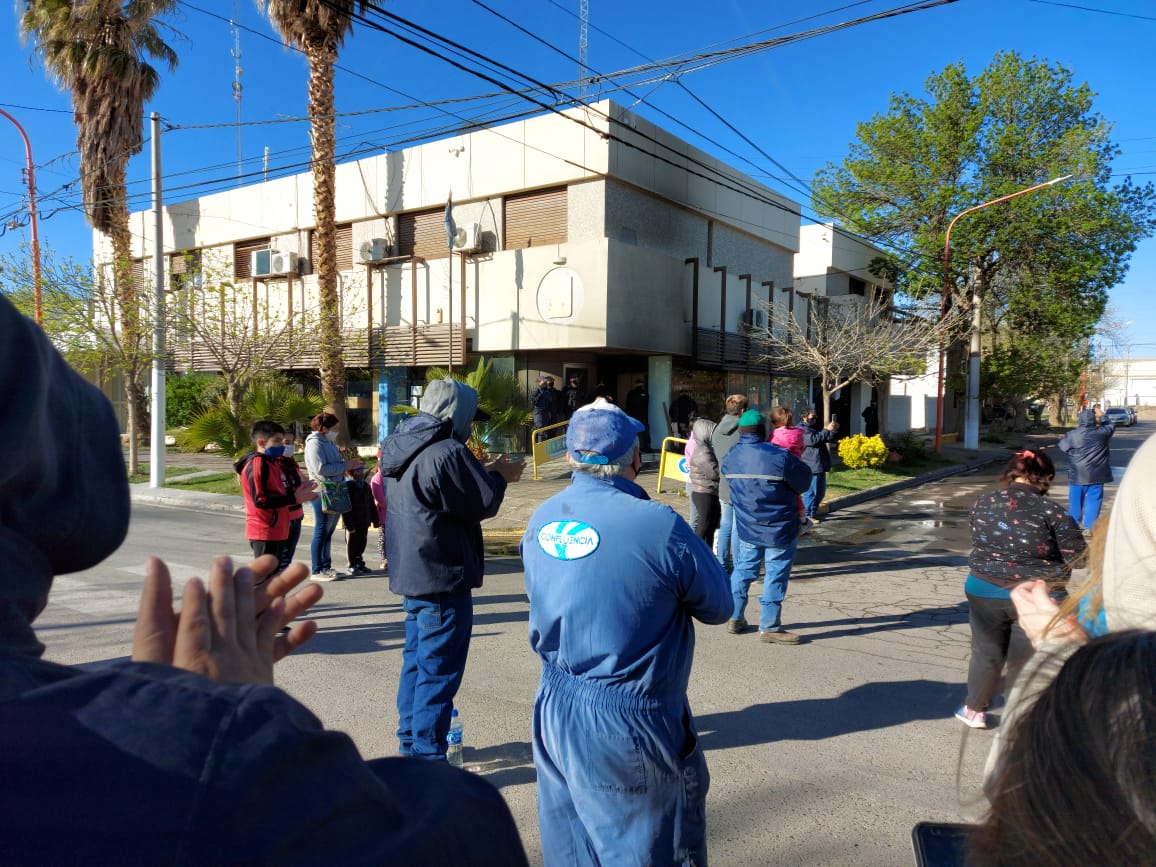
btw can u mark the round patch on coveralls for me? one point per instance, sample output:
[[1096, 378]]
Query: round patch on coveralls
[[568, 540]]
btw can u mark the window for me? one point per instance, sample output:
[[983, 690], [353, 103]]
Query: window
[[855, 286], [242, 261], [535, 219], [344, 248], [423, 233]]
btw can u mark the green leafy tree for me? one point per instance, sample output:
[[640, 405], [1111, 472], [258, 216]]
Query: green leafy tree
[[101, 52], [274, 399], [1038, 264]]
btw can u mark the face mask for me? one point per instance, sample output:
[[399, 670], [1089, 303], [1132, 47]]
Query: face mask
[[289, 451], [274, 451], [331, 436]]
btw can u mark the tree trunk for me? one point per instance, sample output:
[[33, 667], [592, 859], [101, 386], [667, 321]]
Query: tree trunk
[[128, 311], [322, 56]]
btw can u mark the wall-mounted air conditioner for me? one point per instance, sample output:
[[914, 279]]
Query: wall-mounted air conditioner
[[374, 250], [259, 263], [267, 263], [468, 237]]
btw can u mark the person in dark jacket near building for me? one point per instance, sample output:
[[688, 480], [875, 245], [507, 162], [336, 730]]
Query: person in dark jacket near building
[[725, 435], [543, 405], [702, 467], [1017, 535], [1089, 464], [187, 754], [438, 495], [765, 481], [638, 408], [817, 456]]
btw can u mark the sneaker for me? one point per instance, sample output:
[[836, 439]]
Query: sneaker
[[359, 569], [975, 719], [326, 575], [806, 527], [779, 636], [737, 627]]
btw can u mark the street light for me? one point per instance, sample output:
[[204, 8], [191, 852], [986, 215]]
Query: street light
[[37, 290], [943, 306]]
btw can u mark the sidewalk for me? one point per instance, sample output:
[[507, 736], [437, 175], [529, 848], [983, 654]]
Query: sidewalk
[[523, 497]]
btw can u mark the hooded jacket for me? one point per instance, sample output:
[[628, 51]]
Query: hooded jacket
[[1087, 450], [816, 454], [268, 496], [765, 483], [726, 434], [146, 764], [438, 494], [703, 463]]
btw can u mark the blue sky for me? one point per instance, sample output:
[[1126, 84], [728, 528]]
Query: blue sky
[[799, 102]]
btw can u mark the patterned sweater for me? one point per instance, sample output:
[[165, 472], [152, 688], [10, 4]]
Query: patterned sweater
[[1018, 534]]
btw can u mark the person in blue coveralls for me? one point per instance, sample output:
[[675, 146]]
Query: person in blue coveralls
[[765, 483], [615, 585]]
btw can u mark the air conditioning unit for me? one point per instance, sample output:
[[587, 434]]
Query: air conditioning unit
[[751, 319], [259, 263], [283, 263], [374, 250], [468, 237]]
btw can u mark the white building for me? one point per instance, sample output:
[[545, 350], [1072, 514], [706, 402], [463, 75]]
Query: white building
[[1129, 382], [589, 243]]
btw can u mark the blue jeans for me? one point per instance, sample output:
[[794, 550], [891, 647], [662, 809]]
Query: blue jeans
[[727, 538], [437, 640], [815, 493], [777, 567], [1084, 502], [323, 526]]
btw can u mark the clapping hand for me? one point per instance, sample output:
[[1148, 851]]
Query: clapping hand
[[229, 631], [1036, 613]]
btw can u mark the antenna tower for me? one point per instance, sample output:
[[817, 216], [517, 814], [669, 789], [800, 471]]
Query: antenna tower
[[583, 42], [237, 73]]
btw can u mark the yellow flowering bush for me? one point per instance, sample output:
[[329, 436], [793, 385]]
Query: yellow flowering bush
[[859, 451]]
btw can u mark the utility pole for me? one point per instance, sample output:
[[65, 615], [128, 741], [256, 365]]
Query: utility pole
[[37, 286], [157, 449]]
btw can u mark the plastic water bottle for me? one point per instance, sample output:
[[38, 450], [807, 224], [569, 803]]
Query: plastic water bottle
[[454, 741]]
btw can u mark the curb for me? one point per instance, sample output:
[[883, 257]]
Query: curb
[[903, 484]]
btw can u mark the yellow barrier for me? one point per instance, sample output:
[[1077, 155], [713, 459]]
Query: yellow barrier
[[551, 448], [672, 465]]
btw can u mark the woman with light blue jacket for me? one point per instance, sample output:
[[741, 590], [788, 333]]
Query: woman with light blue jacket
[[324, 463]]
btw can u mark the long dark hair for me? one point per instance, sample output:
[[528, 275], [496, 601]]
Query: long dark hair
[[1078, 780], [1034, 466]]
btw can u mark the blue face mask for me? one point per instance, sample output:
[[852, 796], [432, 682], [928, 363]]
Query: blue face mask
[[274, 451]]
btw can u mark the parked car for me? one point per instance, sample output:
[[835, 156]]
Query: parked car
[[1118, 415]]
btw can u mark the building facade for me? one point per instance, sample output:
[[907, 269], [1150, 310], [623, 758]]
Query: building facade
[[587, 243]]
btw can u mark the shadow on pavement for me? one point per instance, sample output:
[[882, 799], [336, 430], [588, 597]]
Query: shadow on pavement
[[863, 708], [509, 764], [822, 564], [945, 615]]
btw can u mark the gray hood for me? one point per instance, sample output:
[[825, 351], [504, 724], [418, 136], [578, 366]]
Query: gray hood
[[65, 505], [454, 401]]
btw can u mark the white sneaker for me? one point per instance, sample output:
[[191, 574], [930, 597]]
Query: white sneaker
[[326, 575], [806, 527]]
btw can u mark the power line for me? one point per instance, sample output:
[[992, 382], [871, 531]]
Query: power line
[[1091, 9]]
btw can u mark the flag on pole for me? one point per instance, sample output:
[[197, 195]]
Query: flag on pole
[[451, 229]]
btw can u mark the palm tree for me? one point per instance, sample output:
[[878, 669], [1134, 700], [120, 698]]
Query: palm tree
[[317, 28], [99, 50]]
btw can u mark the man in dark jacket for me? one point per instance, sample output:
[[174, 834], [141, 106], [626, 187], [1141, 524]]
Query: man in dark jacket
[[638, 408], [817, 456], [438, 494], [542, 404], [187, 754], [725, 435], [1089, 464], [765, 482]]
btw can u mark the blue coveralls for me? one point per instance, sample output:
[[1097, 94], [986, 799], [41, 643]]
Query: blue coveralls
[[614, 584]]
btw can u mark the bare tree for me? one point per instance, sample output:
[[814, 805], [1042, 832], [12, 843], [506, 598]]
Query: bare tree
[[846, 339]]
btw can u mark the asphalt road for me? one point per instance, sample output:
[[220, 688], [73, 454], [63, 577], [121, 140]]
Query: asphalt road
[[826, 753]]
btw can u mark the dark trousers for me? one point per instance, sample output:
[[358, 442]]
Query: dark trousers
[[355, 541], [268, 546], [291, 543], [709, 512], [996, 639]]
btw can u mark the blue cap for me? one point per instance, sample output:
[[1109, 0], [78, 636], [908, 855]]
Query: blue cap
[[600, 433]]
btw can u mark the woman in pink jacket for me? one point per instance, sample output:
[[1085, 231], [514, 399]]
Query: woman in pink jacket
[[785, 435], [377, 487]]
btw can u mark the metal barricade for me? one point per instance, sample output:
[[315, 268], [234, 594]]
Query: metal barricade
[[672, 465], [552, 447]]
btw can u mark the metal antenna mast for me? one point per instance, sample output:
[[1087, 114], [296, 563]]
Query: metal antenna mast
[[237, 73], [583, 42]]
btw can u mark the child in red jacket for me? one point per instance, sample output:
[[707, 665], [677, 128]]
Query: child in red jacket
[[785, 435], [267, 492]]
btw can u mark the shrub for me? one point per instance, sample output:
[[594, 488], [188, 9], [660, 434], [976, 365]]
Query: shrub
[[907, 445], [859, 451]]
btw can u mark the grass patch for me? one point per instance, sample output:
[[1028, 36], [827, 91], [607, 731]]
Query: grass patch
[[218, 483], [847, 481], [138, 478]]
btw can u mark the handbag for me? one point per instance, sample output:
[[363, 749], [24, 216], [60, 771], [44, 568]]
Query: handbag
[[335, 498]]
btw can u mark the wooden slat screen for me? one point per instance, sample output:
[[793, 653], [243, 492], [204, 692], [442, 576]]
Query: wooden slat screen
[[535, 219], [242, 267], [423, 234], [344, 248]]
